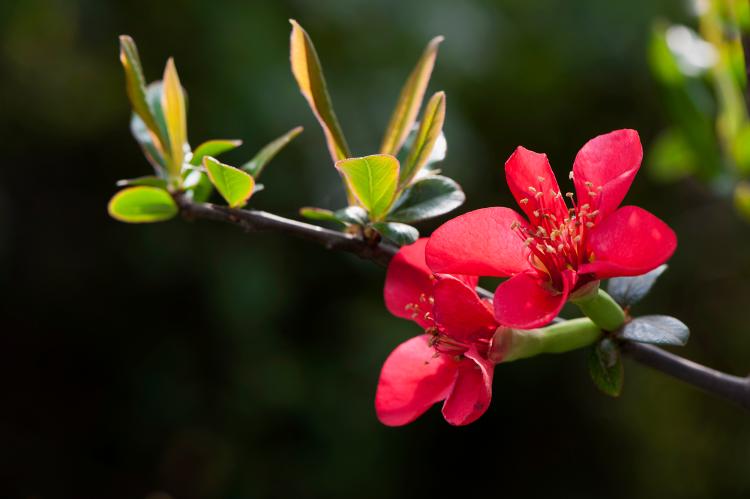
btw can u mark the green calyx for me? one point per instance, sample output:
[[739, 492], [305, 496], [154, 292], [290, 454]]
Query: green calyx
[[513, 344], [601, 308]]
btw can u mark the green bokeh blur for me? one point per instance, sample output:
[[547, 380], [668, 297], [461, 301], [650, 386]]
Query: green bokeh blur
[[193, 360]]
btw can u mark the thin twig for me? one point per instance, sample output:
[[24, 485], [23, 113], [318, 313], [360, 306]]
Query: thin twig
[[732, 388]]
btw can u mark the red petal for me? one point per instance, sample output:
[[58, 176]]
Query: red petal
[[609, 161], [409, 281], [412, 380], [631, 241], [525, 301], [472, 393], [529, 173], [480, 242], [460, 311]]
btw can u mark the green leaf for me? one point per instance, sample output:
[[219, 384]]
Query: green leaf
[[197, 186], [627, 291], [742, 199], [429, 130], [373, 180], [135, 82], [175, 115], [213, 148], [319, 214], [309, 75], [352, 215], [142, 205], [234, 185], [410, 100], [255, 166], [427, 198], [657, 329], [605, 367], [400, 234], [148, 180]]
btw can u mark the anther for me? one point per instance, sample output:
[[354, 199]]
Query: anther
[[570, 175], [524, 200]]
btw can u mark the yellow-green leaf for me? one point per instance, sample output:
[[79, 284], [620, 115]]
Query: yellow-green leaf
[[309, 75], [373, 181], [410, 100], [234, 185], [173, 104], [255, 166], [428, 133], [135, 85], [213, 148], [142, 205]]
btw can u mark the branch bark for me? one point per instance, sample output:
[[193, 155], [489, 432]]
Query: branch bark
[[733, 388]]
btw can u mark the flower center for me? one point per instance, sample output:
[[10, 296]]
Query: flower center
[[557, 235]]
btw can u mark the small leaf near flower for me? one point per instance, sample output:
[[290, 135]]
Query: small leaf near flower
[[410, 100], [427, 198], [428, 133], [309, 75], [656, 329], [400, 234], [605, 367], [373, 180], [629, 290]]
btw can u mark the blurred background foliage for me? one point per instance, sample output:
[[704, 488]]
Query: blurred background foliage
[[196, 361]]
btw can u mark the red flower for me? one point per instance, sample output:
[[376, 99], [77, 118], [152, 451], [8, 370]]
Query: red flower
[[561, 246], [448, 362]]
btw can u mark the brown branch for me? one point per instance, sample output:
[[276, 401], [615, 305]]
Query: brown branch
[[732, 388]]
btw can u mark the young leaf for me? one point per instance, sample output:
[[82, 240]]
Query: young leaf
[[400, 234], [410, 100], [255, 166], [657, 329], [629, 290], [135, 85], [427, 198], [234, 185], [173, 105], [319, 214], [373, 180], [149, 180], [309, 75], [605, 367], [351, 215], [429, 130], [142, 205], [213, 148]]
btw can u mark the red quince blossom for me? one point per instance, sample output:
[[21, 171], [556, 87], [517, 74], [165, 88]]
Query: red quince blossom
[[449, 362], [562, 245]]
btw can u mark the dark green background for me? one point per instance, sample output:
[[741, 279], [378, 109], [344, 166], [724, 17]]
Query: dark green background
[[196, 360]]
